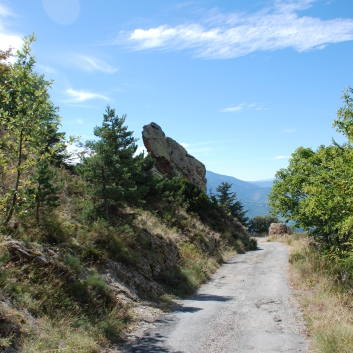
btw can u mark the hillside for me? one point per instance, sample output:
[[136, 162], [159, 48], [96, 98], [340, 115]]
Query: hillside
[[253, 195], [88, 250]]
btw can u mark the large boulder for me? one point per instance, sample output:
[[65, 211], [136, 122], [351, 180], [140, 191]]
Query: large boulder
[[279, 229], [172, 158]]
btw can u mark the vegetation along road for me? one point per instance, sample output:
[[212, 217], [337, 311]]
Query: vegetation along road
[[246, 307]]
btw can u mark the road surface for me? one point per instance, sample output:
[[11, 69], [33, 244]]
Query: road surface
[[247, 306]]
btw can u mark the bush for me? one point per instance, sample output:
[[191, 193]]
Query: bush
[[261, 224]]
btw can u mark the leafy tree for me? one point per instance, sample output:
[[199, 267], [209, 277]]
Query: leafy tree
[[316, 188], [261, 224], [116, 174], [29, 121], [344, 121], [228, 201], [4, 57]]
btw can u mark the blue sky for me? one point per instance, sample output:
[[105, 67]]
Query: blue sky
[[241, 84]]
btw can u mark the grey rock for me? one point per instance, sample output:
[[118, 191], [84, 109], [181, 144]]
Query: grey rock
[[279, 229], [172, 158]]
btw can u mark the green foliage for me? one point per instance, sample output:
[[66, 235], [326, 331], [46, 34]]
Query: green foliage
[[115, 174], [73, 306], [261, 224], [43, 192], [228, 201], [344, 121], [95, 282], [73, 263], [179, 190], [29, 123], [250, 243], [316, 189]]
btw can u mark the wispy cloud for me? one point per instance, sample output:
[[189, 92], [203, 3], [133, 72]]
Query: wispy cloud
[[47, 68], [231, 35], [243, 106], [6, 11], [8, 38], [237, 108], [184, 144], [90, 63], [82, 96], [281, 157], [79, 121]]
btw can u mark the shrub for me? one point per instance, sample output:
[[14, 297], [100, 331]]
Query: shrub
[[261, 224]]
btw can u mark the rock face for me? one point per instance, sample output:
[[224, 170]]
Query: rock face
[[279, 229], [172, 158]]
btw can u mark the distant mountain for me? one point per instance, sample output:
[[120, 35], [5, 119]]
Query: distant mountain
[[267, 183], [253, 195]]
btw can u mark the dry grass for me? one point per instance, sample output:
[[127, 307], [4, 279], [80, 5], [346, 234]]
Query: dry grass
[[71, 307], [59, 337], [327, 307]]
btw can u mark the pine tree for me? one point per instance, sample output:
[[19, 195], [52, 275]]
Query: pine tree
[[117, 176], [227, 199], [43, 192]]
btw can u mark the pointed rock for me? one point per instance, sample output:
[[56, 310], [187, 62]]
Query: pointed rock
[[172, 158]]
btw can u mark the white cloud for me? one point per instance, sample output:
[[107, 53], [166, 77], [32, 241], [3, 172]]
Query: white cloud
[[184, 144], [75, 153], [82, 96], [79, 121], [281, 157], [90, 63], [5, 11], [233, 109], [141, 149], [7, 38], [242, 106], [232, 35], [47, 68]]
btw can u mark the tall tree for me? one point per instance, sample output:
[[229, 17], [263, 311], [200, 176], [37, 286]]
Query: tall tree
[[111, 166], [227, 199], [43, 191], [29, 121]]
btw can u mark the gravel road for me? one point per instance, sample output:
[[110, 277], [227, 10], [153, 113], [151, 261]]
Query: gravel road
[[247, 306]]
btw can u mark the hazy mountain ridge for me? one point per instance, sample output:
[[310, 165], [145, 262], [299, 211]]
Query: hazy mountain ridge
[[252, 194]]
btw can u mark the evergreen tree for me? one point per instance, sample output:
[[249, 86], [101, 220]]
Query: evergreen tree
[[227, 199], [116, 174], [43, 192]]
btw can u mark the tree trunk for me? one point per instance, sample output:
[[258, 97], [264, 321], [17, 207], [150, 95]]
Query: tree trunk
[[38, 205], [14, 198], [106, 206]]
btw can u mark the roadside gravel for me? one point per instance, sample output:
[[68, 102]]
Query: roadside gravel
[[247, 306]]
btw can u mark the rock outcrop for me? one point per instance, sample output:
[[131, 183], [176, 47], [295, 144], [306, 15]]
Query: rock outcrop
[[279, 229], [172, 158]]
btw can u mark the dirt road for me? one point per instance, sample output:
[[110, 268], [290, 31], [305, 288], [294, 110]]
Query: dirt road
[[246, 307]]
